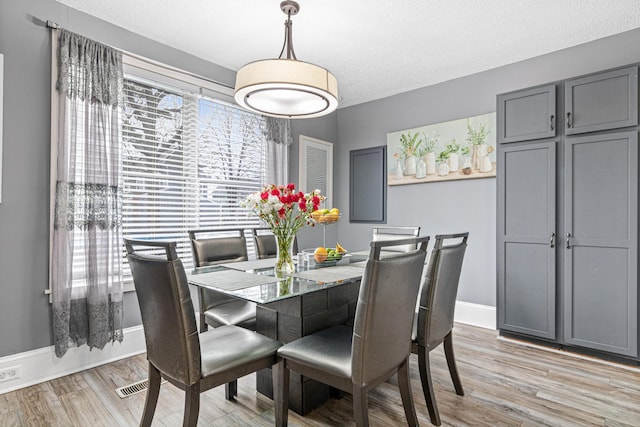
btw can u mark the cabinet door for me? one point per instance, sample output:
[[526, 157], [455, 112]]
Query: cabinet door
[[527, 114], [600, 284], [526, 239], [602, 101]]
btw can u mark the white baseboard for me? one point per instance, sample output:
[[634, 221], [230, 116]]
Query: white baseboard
[[483, 316], [41, 365]]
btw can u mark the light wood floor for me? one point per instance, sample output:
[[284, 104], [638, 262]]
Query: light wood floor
[[506, 384]]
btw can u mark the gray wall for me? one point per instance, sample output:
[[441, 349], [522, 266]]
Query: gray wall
[[24, 212], [458, 205]]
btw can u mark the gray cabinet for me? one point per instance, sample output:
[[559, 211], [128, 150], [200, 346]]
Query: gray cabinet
[[601, 217], [602, 101], [526, 239], [526, 115], [567, 219]]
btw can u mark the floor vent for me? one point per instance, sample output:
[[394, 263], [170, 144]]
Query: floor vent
[[131, 389]]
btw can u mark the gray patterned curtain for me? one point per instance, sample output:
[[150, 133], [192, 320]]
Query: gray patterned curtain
[[278, 134], [86, 273]]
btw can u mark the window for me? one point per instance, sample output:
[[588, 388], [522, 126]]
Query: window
[[188, 162]]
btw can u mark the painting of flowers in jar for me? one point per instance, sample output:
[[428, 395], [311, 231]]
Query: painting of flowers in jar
[[454, 150]]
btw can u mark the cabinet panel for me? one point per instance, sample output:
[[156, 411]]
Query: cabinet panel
[[528, 114], [600, 187], [528, 292], [598, 304], [526, 239], [600, 283], [603, 101], [526, 206]]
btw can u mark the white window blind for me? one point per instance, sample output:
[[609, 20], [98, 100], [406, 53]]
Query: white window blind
[[316, 167], [188, 162]]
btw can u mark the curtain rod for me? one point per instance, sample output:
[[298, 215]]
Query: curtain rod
[[55, 26]]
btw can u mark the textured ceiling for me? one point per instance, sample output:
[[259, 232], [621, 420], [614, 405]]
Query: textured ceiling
[[375, 48]]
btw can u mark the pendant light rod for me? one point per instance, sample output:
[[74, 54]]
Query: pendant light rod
[[289, 8]]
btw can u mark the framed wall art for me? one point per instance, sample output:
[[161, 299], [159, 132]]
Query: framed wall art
[[453, 150]]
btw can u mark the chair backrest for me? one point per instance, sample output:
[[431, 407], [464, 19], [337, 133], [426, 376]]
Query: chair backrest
[[438, 297], [168, 317], [230, 245], [385, 310], [395, 233], [265, 243]]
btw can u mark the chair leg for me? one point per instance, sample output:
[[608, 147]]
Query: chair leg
[[427, 385], [231, 390], [204, 327], [451, 361], [360, 406], [404, 383], [152, 396], [191, 405], [281, 393]]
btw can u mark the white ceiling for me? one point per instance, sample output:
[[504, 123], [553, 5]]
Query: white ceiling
[[375, 48]]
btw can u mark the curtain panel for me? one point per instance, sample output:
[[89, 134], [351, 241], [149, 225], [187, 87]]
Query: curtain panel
[[86, 267], [278, 135]]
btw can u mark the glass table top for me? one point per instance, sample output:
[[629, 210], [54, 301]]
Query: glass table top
[[262, 286]]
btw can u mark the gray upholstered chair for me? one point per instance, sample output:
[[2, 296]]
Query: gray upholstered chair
[[394, 233], [265, 243], [433, 324], [216, 308], [192, 362], [221, 246], [379, 345]]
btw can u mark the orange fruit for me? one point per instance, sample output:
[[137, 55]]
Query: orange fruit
[[320, 254]]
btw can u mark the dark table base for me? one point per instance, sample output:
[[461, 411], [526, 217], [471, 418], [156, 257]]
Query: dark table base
[[292, 318]]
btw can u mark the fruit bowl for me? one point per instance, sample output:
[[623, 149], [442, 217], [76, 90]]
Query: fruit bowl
[[325, 216], [333, 255], [326, 256]]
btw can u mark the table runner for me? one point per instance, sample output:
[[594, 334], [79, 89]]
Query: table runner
[[331, 274], [231, 280], [252, 264], [361, 264]]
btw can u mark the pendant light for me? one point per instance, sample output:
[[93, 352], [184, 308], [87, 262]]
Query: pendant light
[[286, 87]]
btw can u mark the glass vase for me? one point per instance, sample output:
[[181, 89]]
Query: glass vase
[[284, 286], [284, 254]]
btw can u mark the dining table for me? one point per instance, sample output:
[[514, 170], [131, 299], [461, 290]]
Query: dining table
[[291, 305]]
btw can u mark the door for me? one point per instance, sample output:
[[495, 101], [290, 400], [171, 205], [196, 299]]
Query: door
[[602, 101], [527, 114], [526, 239], [600, 284]]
